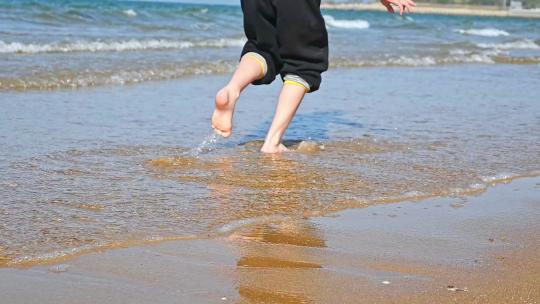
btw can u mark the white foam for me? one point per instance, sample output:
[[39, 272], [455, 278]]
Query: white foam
[[130, 13], [473, 188], [346, 24], [455, 57], [525, 44], [89, 77], [413, 61], [498, 178], [470, 58], [221, 43], [486, 32], [113, 46]]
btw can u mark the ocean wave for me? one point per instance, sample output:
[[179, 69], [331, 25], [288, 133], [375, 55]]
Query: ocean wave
[[485, 32], [130, 13], [518, 44], [114, 46], [122, 75], [457, 57], [346, 24], [90, 78]]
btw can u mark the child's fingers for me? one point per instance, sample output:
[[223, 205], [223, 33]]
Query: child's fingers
[[411, 5], [405, 6], [398, 3], [388, 6], [408, 9]]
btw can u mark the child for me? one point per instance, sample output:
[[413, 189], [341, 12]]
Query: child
[[286, 38]]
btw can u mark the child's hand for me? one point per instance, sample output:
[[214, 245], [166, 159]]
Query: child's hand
[[404, 5]]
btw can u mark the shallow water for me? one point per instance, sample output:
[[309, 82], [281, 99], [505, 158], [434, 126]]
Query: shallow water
[[114, 166], [47, 44]]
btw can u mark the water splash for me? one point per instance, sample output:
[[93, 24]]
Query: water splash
[[206, 146]]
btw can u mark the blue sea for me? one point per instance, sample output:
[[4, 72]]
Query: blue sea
[[48, 44]]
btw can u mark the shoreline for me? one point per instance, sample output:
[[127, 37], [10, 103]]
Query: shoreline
[[232, 228], [475, 249], [139, 94], [441, 9]]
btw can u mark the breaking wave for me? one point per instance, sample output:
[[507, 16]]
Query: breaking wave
[[114, 46], [346, 24], [90, 78], [485, 32], [525, 44], [130, 13], [121, 75]]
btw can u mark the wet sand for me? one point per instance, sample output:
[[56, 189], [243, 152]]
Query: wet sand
[[479, 249]]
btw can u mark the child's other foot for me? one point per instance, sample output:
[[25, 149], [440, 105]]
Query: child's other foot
[[223, 114], [268, 149]]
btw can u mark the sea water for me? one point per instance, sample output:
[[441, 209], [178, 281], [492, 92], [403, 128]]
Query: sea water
[[412, 108], [50, 44]]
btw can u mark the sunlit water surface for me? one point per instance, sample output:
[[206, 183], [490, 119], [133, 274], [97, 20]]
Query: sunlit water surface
[[106, 167]]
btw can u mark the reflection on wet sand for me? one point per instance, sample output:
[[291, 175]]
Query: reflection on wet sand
[[274, 261], [272, 250]]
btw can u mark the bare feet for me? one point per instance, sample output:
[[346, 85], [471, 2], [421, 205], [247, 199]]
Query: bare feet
[[223, 114], [270, 149]]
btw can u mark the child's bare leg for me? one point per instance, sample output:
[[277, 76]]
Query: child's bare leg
[[290, 98], [249, 70]]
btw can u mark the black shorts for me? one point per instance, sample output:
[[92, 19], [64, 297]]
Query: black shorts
[[291, 37]]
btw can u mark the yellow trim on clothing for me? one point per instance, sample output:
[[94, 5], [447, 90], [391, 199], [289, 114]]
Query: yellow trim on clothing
[[296, 83], [262, 64]]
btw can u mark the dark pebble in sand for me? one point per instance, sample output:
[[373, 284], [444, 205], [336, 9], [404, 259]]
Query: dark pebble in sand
[[453, 288]]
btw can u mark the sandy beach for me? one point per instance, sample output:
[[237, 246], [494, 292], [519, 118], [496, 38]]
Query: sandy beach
[[414, 175], [473, 245], [480, 249]]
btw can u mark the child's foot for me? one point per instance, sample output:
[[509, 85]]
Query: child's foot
[[223, 114], [269, 149]]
